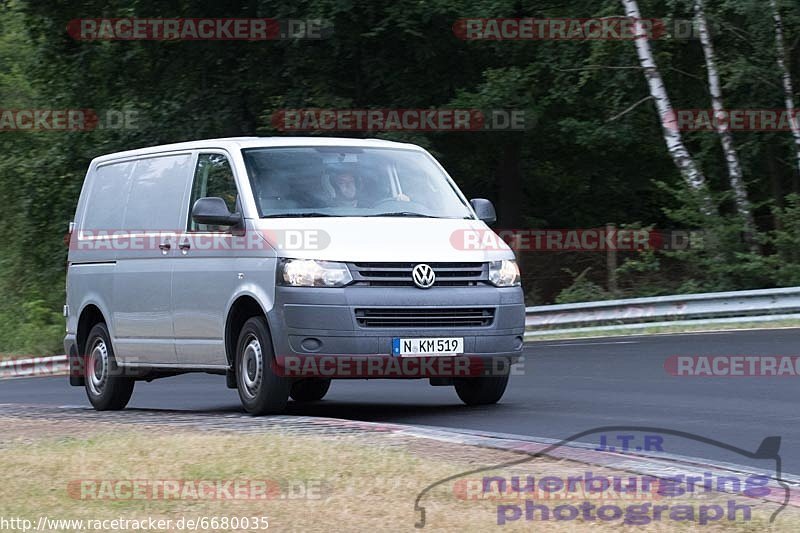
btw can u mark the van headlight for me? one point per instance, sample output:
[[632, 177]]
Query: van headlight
[[504, 273], [313, 273]]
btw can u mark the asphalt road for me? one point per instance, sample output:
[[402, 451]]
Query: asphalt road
[[567, 387]]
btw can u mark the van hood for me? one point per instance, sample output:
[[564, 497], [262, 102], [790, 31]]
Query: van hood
[[379, 239]]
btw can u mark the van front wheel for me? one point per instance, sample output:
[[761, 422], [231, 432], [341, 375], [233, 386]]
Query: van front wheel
[[106, 387], [482, 390], [261, 389]]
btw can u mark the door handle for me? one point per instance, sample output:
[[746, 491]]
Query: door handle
[[164, 247], [185, 246]]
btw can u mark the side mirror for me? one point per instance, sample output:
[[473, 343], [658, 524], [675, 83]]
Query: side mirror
[[214, 212], [484, 209]]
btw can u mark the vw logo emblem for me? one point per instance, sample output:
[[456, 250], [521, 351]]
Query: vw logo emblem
[[423, 276]]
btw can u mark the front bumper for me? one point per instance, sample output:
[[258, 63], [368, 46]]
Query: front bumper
[[321, 323]]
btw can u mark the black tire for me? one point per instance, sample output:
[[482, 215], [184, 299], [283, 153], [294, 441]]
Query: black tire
[[482, 390], [106, 387], [261, 390], [310, 390]]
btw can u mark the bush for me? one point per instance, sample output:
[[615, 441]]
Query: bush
[[582, 290]]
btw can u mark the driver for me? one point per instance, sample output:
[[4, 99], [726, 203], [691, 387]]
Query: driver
[[347, 190]]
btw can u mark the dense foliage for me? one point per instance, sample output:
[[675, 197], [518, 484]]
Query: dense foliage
[[587, 158]]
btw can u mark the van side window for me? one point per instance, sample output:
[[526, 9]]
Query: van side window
[[110, 183], [158, 185], [213, 177]]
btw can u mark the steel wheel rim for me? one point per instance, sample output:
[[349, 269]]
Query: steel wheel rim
[[252, 367], [97, 368]]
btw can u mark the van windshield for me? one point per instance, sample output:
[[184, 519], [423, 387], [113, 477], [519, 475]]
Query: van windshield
[[350, 182]]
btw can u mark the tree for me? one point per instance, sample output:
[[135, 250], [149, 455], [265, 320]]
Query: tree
[[691, 173], [788, 90], [743, 206]]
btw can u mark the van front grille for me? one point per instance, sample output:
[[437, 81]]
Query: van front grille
[[399, 274], [425, 317]]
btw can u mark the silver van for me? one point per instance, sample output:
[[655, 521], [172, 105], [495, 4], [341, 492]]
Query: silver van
[[285, 263]]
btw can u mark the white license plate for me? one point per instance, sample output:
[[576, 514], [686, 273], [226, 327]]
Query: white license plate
[[430, 346]]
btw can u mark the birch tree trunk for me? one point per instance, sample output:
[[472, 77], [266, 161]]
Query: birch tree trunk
[[689, 170], [788, 91], [721, 125]]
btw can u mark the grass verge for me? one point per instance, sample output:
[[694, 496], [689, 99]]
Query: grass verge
[[69, 471]]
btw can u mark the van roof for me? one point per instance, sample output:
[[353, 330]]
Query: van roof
[[236, 143]]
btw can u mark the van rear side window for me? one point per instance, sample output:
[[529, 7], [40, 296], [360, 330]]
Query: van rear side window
[[109, 186]]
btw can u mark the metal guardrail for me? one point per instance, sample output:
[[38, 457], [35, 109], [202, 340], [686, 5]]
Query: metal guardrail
[[708, 308], [36, 366]]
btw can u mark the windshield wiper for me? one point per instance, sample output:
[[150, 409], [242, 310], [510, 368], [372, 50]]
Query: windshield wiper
[[299, 215], [403, 214]]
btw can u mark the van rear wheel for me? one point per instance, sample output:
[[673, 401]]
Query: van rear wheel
[[482, 390], [310, 390], [105, 386], [261, 389]]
